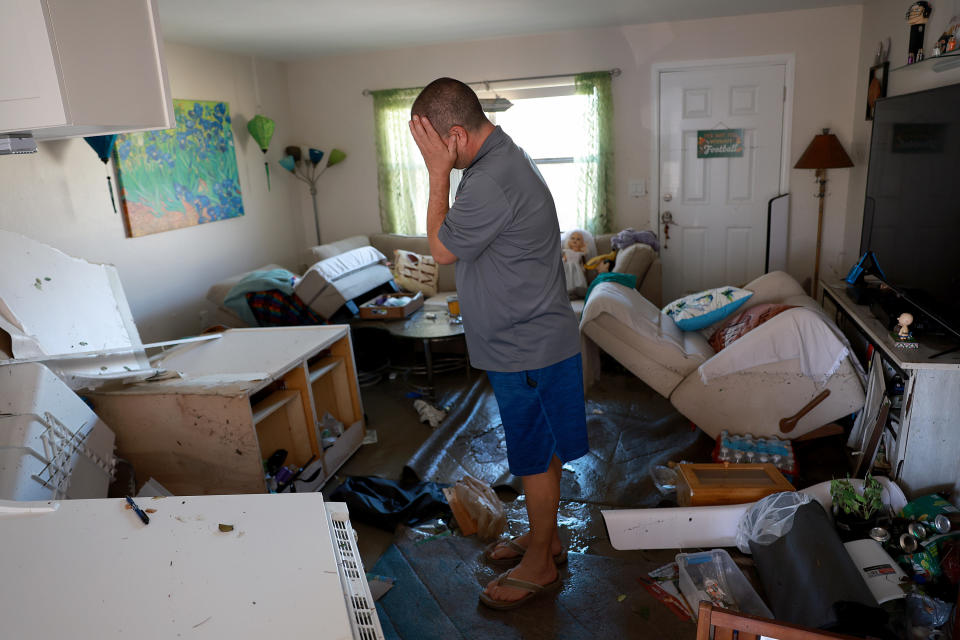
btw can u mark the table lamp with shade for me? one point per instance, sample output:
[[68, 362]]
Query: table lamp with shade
[[824, 152]]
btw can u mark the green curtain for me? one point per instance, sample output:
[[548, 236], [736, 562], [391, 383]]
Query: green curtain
[[595, 207], [401, 174]]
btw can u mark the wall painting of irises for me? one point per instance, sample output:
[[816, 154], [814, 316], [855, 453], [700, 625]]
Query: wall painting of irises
[[180, 177]]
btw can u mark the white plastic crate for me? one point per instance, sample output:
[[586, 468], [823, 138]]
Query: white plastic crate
[[42, 459], [356, 592], [52, 445]]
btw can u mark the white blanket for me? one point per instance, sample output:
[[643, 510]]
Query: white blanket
[[801, 333], [626, 305], [348, 262]]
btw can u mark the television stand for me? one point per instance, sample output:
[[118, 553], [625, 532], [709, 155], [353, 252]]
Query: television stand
[[945, 352], [923, 444]]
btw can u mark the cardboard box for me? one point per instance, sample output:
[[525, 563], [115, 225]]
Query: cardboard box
[[375, 310]]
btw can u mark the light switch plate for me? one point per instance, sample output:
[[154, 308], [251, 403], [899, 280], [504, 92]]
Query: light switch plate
[[638, 188]]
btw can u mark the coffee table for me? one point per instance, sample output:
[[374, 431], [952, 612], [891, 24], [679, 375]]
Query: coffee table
[[428, 326]]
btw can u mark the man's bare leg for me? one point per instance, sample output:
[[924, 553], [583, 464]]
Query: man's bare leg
[[542, 493]]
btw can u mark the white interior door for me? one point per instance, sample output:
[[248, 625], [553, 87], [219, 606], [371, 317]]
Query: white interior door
[[713, 212]]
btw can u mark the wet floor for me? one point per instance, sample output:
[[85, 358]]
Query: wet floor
[[439, 577]]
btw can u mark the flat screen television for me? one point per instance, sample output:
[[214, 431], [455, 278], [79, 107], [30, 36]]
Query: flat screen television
[[911, 218]]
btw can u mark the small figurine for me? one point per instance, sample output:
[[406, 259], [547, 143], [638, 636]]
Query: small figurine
[[902, 336], [903, 324], [917, 16]]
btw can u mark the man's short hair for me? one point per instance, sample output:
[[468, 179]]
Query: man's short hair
[[447, 102]]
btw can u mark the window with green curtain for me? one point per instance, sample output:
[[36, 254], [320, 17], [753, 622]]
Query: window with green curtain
[[595, 190], [568, 137], [402, 177]]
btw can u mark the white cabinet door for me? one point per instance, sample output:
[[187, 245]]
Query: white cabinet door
[[70, 68], [716, 208], [29, 87]]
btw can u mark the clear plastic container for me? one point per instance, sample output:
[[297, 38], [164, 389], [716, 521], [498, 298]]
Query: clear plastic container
[[713, 576]]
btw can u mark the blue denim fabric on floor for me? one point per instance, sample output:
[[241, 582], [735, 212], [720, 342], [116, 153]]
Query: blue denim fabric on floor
[[543, 415]]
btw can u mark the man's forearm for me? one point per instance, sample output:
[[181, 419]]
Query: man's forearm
[[437, 208]]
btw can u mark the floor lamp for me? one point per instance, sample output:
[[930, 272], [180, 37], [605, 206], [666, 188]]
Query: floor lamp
[[307, 169], [824, 152]]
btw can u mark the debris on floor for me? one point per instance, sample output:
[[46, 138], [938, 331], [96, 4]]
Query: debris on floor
[[429, 414], [476, 508], [370, 437], [152, 489], [379, 585], [663, 584], [385, 504]]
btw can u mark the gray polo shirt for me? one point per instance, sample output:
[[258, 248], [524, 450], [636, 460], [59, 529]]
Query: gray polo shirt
[[503, 229]]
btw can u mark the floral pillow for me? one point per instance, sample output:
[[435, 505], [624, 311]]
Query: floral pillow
[[699, 310], [414, 272]]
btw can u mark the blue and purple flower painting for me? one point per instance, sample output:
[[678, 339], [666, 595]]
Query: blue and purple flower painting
[[183, 176]]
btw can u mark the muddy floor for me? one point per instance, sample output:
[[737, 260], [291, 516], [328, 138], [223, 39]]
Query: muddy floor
[[439, 574]]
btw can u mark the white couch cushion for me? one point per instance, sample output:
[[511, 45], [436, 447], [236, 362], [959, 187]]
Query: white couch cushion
[[324, 251], [335, 267]]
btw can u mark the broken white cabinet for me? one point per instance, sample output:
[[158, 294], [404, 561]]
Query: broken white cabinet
[[70, 68], [237, 400], [225, 402]]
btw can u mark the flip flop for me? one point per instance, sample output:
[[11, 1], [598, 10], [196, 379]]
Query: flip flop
[[533, 588], [510, 561]]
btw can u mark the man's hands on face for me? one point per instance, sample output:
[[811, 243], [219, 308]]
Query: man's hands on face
[[438, 155]]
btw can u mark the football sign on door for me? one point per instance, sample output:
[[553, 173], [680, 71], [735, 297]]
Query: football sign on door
[[720, 157]]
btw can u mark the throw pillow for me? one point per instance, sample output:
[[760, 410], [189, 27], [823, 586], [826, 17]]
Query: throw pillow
[[414, 272], [635, 259], [699, 310], [739, 325]]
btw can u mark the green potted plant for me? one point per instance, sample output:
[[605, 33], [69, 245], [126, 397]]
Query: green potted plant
[[855, 512]]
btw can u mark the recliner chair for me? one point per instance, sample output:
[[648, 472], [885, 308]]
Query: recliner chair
[[764, 377]]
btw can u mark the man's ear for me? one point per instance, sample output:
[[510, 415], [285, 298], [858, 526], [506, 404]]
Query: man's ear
[[461, 134]]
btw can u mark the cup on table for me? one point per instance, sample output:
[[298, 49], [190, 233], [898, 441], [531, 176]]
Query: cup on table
[[453, 306]]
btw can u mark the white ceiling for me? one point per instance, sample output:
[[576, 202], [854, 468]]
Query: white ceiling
[[290, 29]]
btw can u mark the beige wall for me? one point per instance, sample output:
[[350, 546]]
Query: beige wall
[[329, 110], [883, 19], [59, 196]]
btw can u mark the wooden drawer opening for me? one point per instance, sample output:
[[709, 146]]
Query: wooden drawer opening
[[281, 424], [330, 386]]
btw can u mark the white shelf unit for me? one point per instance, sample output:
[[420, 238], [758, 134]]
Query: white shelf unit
[[924, 444]]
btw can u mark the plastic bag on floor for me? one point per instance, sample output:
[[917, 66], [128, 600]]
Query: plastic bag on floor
[[384, 504], [768, 519], [483, 505]]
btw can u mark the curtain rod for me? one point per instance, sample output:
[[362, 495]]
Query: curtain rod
[[613, 73]]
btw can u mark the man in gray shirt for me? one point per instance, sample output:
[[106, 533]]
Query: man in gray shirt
[[503, 234]]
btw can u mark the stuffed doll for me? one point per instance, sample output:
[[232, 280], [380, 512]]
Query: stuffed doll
[[574, 259]]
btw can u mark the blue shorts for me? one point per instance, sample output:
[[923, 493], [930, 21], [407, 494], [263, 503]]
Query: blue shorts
[[543, 415]]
